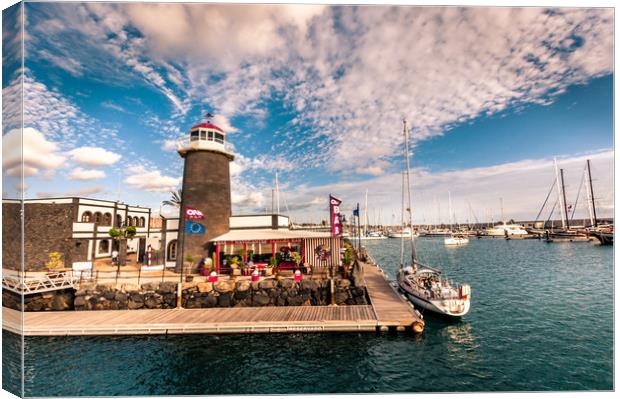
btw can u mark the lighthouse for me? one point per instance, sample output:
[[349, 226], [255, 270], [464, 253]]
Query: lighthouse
[[205, 200]]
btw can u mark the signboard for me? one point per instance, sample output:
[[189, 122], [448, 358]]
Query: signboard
[[193, 213], [334, 216], [194, 228]]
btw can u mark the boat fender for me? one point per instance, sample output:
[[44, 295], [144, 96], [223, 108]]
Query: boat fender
[[417, 327]]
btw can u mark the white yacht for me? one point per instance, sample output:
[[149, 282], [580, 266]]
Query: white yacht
[[404, 233], [374, 235], [505, 230], [456, 240], [424, 286]]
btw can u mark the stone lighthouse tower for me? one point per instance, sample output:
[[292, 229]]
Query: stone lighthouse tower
[[205, 201]]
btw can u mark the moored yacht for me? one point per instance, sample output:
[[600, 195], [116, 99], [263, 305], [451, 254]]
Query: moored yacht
[[456, 240], [505, 230], [424, 286]]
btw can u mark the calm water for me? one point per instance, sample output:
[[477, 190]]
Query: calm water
[[541, 319]]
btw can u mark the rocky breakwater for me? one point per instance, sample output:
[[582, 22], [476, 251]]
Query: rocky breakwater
[[45, 301], [271, 292], [127, 296]]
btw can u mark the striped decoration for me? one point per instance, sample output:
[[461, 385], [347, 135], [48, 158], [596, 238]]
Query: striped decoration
[[310, 246]]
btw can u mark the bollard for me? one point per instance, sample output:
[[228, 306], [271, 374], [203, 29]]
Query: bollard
[[179, 295]]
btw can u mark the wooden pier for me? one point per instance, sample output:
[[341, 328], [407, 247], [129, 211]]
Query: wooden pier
[[387, 311]]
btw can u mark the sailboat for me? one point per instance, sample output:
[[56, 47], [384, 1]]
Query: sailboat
[[370, 235], [566, 234], [424, 286], [455, 239]]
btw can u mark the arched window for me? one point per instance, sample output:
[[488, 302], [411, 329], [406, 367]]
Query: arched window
[[98, 217], [119, 220], [87, 217], [135, 221], [107, 219], [142, 221], [104, 246], [129, 221], [172, 250]]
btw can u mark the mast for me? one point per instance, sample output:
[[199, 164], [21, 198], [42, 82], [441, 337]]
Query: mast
[[450, 210], [277, 194], [564, 198], [561, 199], [591, 192], [406, 134], [501, 207], [402, 222], [366, 214]]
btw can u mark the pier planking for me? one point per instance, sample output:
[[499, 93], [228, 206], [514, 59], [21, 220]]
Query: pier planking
[[387, 310]]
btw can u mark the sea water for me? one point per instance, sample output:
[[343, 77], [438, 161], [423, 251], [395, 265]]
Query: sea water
[[541, 319]]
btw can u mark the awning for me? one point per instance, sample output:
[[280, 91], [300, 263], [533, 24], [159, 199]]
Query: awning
[[265, 235]]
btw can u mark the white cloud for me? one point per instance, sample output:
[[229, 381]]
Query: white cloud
[[65, 62], [85, 191], [169, 145], [224, 123], [522, 185], [151, 180], [93, 156], [32, 152], [86, 174]]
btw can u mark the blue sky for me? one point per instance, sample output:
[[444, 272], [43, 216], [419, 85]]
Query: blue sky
[[318, 94]]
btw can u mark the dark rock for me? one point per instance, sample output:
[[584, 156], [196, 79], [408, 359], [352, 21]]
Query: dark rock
[[120, 296], [150, 286], [61, 302], [342, 283], [168, 287], [267, 284], [136, 297], [134, 305], [340, 297], [357, 292], [286, 283], [280, 301], [309, 285], [109, 295], [224, 300], [193, 303], [295, 301], [242, 294], [210, 301], [79, 301], [260, 299], [152, 301]]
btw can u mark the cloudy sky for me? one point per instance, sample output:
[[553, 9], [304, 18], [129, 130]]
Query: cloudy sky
[[317, 93]]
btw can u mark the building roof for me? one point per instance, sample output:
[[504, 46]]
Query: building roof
[[268, 234], [207, 125]]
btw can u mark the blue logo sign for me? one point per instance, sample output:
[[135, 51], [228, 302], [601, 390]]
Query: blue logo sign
[[194, 228]]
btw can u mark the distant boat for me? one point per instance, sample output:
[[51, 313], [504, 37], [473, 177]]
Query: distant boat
[[405, 233], [505, 230], [604, 237], [456, 240], [374, 235]]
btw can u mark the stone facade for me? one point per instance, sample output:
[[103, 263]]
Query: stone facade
[[11, 235], [206, 187]]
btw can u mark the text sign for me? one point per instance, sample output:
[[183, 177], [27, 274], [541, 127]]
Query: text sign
[[193, 213], [334, 216]]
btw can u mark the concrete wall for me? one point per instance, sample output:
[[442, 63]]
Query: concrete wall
[[206, 187]]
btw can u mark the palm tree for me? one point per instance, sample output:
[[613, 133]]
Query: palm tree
[[175, 199]]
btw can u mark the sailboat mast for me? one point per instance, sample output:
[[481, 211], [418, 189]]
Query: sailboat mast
[[402, 222], [561, 200], [406, 134], [277, 194], [591, 194], [366, 214], [564, 198], [450, 209]]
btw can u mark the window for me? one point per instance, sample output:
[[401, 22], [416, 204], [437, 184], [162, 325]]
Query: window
[[98, 217], [129, 221], [172, 250], [87, 217], [119, 220], [107, 219], [219, 138], [210, 135], [203, 135], [104, 246], [142, 222], [194, 135], [135, 221]]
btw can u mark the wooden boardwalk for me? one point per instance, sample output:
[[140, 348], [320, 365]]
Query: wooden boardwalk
[[387, 310], [392, 310]]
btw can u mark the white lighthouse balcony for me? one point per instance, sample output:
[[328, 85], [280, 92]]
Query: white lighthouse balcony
[[205, 137]]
